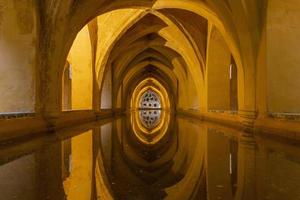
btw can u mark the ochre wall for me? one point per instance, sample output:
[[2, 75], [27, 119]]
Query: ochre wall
[[188, 97], [80, 59], [17, 55], [218, 65], [106, 93], [283, 33]]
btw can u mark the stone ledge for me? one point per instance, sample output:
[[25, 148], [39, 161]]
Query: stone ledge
[[16, 115], [282, 127], [30, 125], [14, 128], [224, 111], [223, 118], [285, 116]]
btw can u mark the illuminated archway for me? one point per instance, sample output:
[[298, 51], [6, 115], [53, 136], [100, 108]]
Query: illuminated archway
[[152, 85]]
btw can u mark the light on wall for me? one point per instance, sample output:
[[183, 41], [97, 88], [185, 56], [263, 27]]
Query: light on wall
[[230, 72]]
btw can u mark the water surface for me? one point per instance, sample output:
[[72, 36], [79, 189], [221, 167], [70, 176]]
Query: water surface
[[150, 154]]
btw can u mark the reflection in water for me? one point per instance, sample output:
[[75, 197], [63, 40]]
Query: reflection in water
[[150, 118], [175, 159], [148, 134]]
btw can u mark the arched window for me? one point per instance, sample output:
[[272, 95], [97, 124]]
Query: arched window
[[150, 100]]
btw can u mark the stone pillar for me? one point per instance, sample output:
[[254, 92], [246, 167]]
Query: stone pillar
[[247, 119]]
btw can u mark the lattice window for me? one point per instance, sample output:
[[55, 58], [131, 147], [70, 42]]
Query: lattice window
[[150, 100], [150, 118]]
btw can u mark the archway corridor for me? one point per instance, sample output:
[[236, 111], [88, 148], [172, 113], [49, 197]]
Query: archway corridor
[[149, 99]]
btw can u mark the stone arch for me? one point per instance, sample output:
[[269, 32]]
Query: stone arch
[[227, 29]]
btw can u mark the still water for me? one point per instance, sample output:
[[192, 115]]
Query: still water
[[150, 155]]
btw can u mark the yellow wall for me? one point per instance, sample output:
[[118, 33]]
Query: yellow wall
[[80, 59], [283, 34], [17, 55], [188, 97], [218, 64]]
